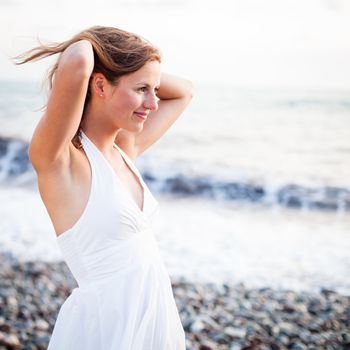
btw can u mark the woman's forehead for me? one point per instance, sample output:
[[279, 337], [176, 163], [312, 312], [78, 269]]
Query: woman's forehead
[[149, 73]]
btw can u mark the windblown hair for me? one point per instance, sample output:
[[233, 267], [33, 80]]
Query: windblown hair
[[116, 53]]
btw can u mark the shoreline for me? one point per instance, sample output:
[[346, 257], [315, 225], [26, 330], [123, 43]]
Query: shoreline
[[223, 316]]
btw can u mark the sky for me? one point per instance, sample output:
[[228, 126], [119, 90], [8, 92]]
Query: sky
[[251, 43]]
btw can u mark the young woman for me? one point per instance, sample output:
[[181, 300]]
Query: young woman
[[108, 103]]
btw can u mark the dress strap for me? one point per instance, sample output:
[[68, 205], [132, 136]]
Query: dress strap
[[130, 163]]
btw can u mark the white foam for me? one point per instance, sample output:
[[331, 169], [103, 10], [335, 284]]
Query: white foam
[[257, 246], [207, 241]]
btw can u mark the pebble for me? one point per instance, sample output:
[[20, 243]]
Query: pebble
[[9, 341], [232, 332], [215, 317]]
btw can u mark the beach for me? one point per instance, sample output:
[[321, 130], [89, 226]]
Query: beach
[[214, 316]]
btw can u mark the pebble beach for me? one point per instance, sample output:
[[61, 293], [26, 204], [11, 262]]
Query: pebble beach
[[214, 316]]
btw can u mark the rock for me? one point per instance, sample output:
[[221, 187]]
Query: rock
[[314, 326], [289, 308], [41, 341], [207, 345], [235, 333], [10, 341], [283, 339], [41, 325], [287, 328], [298, 346], [236, 347], [5, 328], [197, 326], [12, 301]]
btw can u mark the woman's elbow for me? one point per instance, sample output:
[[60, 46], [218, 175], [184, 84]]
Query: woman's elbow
[[189, 89]]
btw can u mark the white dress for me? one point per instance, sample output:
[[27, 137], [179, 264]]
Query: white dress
[[124, 300]]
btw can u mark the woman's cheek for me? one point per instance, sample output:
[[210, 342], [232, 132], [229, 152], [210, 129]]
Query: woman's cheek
[[132, 101]]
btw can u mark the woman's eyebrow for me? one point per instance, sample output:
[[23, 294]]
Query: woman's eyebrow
[[146, 84]]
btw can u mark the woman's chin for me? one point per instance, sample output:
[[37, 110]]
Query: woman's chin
[[135, 128]]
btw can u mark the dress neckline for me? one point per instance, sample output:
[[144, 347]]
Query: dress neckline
[[133, 170]]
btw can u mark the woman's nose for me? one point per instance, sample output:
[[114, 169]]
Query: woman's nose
[[151, 102]]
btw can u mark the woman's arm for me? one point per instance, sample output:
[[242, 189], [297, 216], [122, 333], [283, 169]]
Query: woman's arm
[[52, 137], [175, 94], [173, 87]]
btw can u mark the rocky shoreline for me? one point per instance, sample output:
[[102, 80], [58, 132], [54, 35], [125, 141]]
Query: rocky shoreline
[[231, 317], [290, 195]]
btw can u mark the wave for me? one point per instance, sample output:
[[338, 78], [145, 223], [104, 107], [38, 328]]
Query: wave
[[314, 103], [14, 162], [290, 195], [15, 168]]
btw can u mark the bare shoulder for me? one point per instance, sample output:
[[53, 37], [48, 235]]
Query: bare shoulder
[[65, 188]]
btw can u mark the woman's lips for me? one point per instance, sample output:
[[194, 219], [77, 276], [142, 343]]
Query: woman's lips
[[143, 116]]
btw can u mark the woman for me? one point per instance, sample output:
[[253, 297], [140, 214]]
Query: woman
[[108, 103]]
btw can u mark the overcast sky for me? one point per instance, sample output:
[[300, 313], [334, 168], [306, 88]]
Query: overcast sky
[[254, 43]]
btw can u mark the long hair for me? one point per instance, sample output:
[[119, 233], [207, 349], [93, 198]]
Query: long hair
[[116, 53]]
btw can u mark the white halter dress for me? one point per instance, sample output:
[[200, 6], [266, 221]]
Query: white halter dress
[[124, 300]]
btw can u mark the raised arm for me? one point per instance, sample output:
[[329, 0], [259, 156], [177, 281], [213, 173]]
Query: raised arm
[[174, 95], [52, 137]]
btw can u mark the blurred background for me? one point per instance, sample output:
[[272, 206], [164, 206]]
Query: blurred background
[[254, 179]]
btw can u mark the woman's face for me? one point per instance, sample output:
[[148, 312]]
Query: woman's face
[[128, 104]]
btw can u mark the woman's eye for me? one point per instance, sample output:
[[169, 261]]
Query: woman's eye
[[143, 89]]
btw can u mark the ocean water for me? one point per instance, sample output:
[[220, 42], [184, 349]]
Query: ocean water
[[253, 185]]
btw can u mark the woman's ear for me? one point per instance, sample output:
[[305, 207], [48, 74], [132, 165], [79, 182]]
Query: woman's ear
[[98, 84]]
